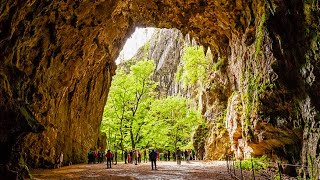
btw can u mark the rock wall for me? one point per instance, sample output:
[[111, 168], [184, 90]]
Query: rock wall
[[264, 87], [165, 48], [56, 68], [57, 60]]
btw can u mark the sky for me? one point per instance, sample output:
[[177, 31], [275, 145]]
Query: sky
[[137, 40]]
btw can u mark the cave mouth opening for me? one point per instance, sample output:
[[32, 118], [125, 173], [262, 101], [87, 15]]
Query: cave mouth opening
[[148, 106]]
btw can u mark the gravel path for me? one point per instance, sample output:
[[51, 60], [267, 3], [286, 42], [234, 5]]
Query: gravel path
[[165, 170]]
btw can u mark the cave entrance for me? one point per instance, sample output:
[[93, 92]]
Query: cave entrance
[[149, 103]]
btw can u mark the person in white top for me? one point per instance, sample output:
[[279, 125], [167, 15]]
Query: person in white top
[[60, 160]]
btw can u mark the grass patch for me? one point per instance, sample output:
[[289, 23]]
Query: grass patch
[[258, 163]]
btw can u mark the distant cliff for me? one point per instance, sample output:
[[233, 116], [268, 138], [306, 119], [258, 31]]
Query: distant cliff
[[165, 48]]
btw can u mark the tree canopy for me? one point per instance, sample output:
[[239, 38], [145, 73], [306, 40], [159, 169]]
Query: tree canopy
[[133, 116], [194, 66]]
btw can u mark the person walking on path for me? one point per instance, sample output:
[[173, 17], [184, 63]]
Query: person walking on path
[[178, 155], [109, 159], [116, 157], [153, 159]]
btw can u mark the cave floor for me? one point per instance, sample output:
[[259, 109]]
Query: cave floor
[[165, 170]]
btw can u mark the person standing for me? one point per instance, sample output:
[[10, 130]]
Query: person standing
[[60, 160], [89, 157], [109, 159], [178, 155], [145, 155], [193, 154], [139, 156], [158, 154], [153, 159], [100, 156], [125, 156], [168, 155], [95, 152], [135, 155], [165, 154], [131, 156], [115, 157], [186, 155]]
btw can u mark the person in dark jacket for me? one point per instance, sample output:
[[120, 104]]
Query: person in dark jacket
[[178, 156], [153, 159], [125, 156], [131, 156]]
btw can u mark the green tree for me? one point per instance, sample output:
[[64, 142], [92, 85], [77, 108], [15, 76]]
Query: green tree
[[195, 66], [194, 70], [133, 117], [171, 120], [129, 99]]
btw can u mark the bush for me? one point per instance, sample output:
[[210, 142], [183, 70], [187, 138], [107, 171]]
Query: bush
[[258, 163]]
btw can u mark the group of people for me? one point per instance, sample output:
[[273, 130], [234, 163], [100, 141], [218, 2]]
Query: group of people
[[178, 155], [188, 154], [133, 155], [95, 156], [136, 156]]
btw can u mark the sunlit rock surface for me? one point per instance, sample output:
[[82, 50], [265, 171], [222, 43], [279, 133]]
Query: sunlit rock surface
[[165, 48], [57, 61]]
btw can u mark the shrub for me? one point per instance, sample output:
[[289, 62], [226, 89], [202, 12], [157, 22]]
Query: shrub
[[258, 163]]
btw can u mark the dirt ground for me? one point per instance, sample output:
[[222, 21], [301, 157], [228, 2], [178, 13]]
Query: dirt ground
[[216, 170]]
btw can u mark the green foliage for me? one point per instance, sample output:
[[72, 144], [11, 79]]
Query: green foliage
[[277, 177], [218, 64], [256, 82], [195, 65], [257, 163], [133, 117], [129, 99], [146, 48], [173, 121], [178, 76], [311, 168], [260, 34]]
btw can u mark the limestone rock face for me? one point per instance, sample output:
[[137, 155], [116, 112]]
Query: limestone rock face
[[56, 68], [57, 61], [166, 49]]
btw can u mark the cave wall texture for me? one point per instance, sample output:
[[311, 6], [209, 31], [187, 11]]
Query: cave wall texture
[[57, 61]]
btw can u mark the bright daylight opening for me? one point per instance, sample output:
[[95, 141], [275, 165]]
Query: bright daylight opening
[[152, 102], [137, 40]]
